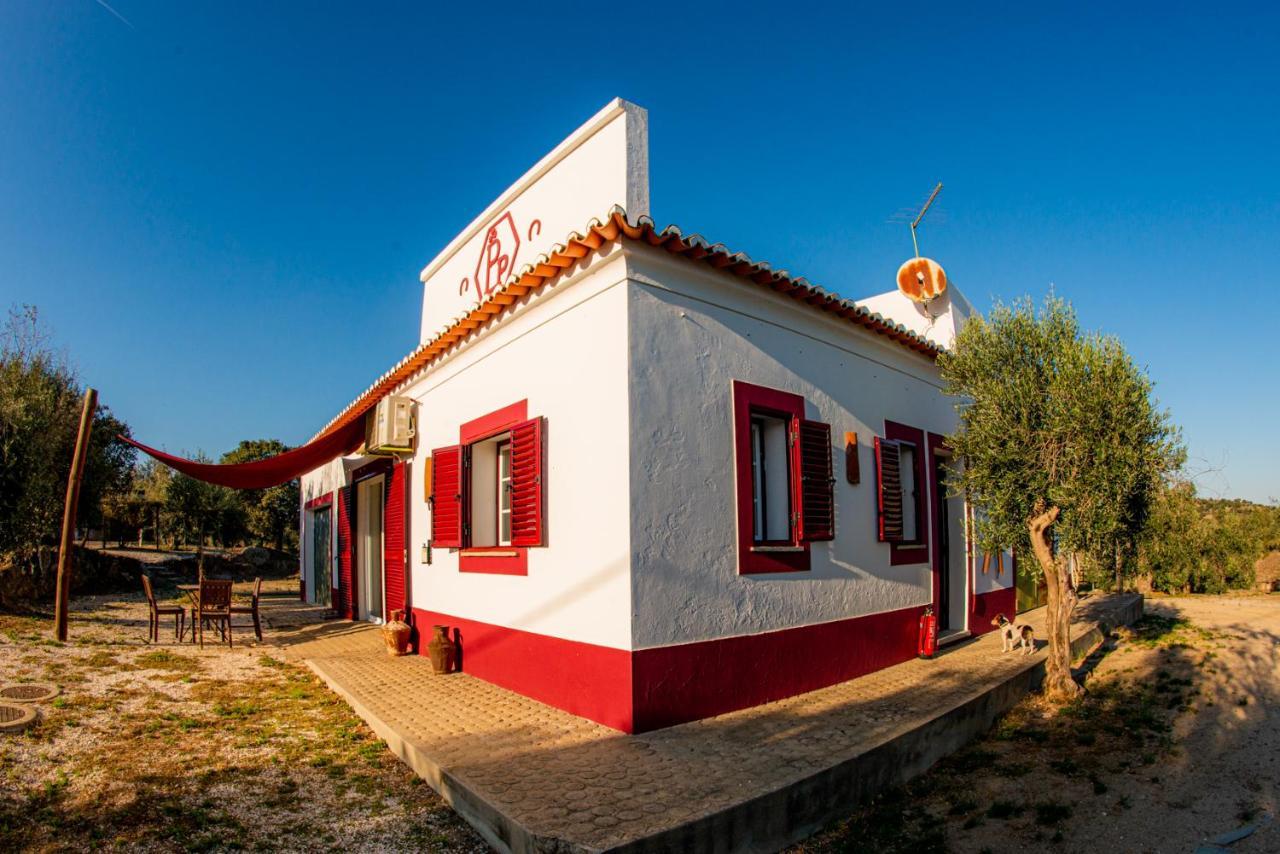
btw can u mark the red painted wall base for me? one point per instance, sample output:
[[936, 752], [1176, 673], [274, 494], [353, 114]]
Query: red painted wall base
[[675, 684], [653, 688], [987, 605], [590, 681]]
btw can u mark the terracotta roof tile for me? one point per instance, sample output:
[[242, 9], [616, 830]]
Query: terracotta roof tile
[[534, 277]]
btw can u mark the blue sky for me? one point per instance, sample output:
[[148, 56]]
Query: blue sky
[[221, 208]]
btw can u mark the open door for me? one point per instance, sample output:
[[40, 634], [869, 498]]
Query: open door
[[371, 594], [950, 560]]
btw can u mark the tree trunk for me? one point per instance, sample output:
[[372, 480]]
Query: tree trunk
[[200, 553], [1059, 686]]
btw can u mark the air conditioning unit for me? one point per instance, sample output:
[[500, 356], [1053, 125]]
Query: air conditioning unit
[[390, 427]]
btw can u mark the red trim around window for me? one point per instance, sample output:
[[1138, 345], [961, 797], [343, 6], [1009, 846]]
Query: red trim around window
[[320, 501], [917, 550], [493, 423], [755, 557], [493, 560]]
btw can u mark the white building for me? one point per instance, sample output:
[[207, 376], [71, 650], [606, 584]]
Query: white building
[[653, 480]]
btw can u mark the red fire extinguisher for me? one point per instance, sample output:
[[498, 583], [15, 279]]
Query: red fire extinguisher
[[928, 634]]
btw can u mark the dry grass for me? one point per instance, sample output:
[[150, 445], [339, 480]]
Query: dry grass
[[163, 748]]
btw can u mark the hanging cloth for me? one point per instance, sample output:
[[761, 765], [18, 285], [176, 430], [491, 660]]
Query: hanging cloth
[[271, 471]]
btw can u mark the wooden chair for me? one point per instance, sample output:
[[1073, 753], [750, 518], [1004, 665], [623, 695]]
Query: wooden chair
[[252, 609], [214, 604], [155, 612]]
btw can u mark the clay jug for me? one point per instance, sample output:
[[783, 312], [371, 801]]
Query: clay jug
[[396, 634], [441, 650]]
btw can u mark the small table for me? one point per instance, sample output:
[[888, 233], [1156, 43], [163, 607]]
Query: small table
[[193, 593]]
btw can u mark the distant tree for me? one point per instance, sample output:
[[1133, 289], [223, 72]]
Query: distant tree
[[1171, 548], [108, 471], [1197, 545], [271, 513], [201, 511], [152, 480], [1060, 444], [40, 400]]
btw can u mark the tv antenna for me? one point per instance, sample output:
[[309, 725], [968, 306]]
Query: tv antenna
[[922, 279], [915, 222]]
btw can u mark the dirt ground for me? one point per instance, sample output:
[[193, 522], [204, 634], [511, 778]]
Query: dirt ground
[[166, 747], [1176, 742]]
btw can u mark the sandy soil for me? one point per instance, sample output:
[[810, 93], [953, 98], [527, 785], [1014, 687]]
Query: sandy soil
[[1176, 742]]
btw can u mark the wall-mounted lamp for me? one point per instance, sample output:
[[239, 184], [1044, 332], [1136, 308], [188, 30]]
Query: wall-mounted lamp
[[426, 553], [852, 471]]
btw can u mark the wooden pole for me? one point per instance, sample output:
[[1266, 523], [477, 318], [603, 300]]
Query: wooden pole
[[69, 513]]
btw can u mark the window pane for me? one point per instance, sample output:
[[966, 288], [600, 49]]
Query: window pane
[[908, 471], [504, 494], [757, 481], [771, 479]]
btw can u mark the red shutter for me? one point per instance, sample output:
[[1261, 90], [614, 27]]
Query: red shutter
[[393, 554], [526, 483], [446, 497], [817, 511], [344, 597], [888, 491]]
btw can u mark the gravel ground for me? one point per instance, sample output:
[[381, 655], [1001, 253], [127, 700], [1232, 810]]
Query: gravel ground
[[167, 747], [1176, 742]]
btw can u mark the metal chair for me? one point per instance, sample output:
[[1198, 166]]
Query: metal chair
[[155, 612]]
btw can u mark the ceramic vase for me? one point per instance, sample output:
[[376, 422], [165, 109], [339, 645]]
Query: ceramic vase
[[396, 634], [441, 650]]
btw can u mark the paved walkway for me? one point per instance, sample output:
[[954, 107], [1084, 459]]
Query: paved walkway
[[531, 777]]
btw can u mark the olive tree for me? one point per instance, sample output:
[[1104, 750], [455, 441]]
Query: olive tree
[[1061, 445]]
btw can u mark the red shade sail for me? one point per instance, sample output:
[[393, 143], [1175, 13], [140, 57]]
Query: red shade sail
[[272, 471]]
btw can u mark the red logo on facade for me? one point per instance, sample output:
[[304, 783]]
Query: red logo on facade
[[497, 256], [498, 253]]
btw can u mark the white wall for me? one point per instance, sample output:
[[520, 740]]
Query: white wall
[[693, 331], [566, 352], [603, 164], [939, 321]]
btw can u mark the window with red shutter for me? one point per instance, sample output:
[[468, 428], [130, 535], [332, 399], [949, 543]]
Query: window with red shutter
[[888, 491], [526, 483], [770, 486], [446, 497], [816, 492], [344, 598], [903, 502]]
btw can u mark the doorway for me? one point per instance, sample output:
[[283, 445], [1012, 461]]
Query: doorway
[[950, 557], [321, 554], [371, 593]]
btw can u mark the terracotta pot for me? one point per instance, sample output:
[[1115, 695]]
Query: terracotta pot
[[396, 634], [441, 650]]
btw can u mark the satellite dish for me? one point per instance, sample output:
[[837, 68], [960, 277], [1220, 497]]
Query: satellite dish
[[921, 279]]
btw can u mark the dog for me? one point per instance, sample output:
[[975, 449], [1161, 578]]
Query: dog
[[1013, 635]]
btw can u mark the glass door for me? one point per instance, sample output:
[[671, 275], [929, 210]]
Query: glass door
[[369, 504], [321, 555]]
